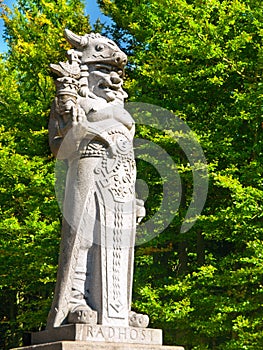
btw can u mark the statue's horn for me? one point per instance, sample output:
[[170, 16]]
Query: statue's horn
[[76, 40]]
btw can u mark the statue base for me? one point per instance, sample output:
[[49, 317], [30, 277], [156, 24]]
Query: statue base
[[83, 345], [99, 333], [97, 337]]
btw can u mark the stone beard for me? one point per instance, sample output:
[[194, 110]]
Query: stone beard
[[90, 129]]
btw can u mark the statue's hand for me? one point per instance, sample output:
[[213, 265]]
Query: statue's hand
[[83, 128], [140, 210], [80, 126], [78, 115]]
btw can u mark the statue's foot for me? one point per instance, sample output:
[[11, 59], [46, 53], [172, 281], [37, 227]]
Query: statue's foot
[[82, 314], [138, 320]]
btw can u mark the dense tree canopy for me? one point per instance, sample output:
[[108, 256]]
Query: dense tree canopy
[[202, 60]]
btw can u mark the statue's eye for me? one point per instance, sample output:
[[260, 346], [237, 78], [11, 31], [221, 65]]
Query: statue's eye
[[99, 47], [105, 70]]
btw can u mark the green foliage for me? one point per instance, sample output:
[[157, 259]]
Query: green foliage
[[203, 61], [30, 218]]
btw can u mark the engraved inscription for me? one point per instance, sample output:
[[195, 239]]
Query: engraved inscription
[[123, 334]]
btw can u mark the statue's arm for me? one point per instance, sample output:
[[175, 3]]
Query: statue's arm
[[65, 136], [55, 135]]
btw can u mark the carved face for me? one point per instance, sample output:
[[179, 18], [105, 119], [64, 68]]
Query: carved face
[[105, 81]]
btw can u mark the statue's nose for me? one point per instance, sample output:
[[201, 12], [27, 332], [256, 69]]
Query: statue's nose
[[120, 58], [115, 78]]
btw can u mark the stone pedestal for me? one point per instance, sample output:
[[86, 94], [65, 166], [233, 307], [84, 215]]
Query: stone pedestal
[[82, 345], [99, 333], [98, 337]]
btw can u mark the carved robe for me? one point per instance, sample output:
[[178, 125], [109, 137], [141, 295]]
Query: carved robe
[[98, 230]]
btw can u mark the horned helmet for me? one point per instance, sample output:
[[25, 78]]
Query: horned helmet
[[94, 47]]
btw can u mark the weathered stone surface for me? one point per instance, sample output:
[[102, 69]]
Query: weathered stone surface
[[91, 130], [80, 345], [99, 333]]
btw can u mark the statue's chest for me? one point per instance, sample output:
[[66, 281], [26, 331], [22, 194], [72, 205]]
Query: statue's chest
[[117, 172]]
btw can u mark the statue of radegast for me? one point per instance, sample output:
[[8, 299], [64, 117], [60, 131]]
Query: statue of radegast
[[90, 128], [91, 131]]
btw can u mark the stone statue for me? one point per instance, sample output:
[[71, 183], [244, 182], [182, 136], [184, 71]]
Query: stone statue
[[90, 129]]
